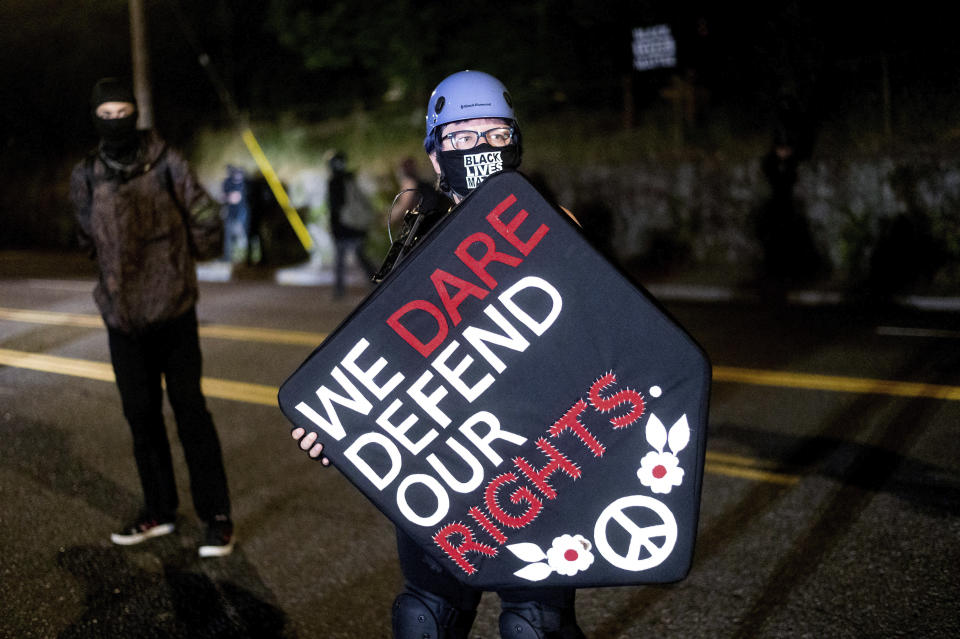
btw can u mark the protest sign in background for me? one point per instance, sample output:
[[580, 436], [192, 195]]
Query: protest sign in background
[[516, 405]]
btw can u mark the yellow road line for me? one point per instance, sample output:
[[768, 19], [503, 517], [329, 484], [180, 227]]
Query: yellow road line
[[834, 383], [717, 463], [746, 468], [59, 365], [240, 391], [218, 388], [738, 460], [269, 335], [48, 317], [750, 473], [720, 373], [221, 331]]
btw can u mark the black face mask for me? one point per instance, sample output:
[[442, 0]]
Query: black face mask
[[463, 171], [118, 136]]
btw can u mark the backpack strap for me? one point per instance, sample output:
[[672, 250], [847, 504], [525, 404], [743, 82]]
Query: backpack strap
[[88, 170]]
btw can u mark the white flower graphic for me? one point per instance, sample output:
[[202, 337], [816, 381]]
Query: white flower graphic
[[570, 554], [660, 472]]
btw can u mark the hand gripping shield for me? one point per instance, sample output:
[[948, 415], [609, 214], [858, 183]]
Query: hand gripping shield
[[515, 404]]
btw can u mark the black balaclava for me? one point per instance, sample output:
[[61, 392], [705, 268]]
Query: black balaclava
[[118, 137], [463, 171]]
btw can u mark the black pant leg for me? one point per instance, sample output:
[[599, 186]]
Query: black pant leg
[[137, 374], [182, 369]]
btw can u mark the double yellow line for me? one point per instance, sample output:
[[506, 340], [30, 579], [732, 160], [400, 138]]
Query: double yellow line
[[747, 468], [721, 374], [241, 333], [834, 383], [718, 463], [218, 388]]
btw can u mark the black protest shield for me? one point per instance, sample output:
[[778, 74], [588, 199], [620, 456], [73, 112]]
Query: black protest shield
[[516, 405]]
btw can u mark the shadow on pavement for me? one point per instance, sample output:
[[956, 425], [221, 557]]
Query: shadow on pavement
[[166, 594], [159, 589]]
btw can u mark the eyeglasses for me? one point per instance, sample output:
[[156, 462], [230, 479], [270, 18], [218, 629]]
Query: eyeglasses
[[464, 140]]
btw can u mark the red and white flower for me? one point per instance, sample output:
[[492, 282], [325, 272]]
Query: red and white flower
[[660, 472], [570, 554]]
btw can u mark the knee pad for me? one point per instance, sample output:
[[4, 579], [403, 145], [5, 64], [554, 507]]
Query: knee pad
[[534, 620], [418, 614]]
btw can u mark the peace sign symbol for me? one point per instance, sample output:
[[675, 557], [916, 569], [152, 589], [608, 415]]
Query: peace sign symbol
[[641, 537]]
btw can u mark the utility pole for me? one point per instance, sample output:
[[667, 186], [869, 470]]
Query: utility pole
[[887, 106], [141, 65]]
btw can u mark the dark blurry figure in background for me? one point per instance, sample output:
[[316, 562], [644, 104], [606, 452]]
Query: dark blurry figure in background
[[255, 243], [146, 219], [272, 234], [350, 217], [907, 253], [789, 256], [236, 219]]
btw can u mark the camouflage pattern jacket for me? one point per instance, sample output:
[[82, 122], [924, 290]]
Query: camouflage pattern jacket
[[145, 224]]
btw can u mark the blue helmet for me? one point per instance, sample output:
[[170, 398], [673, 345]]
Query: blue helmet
[[463, 96]]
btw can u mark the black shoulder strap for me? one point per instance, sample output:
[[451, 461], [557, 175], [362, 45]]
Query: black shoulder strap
[[88, 170], [163, 167], [416, 224]]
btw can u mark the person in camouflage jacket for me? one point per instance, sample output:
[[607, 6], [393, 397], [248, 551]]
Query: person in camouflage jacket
[[146, 222], [145, 219]]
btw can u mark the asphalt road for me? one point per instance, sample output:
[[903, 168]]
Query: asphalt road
[[831, 500]]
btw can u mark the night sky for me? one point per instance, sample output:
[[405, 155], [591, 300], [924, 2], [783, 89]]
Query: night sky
[[833, 55], [837, 72]]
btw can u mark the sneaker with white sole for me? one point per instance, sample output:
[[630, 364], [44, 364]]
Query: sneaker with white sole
[[219, 539], [141, 529]]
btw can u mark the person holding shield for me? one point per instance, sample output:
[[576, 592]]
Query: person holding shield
[[471, 133]]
